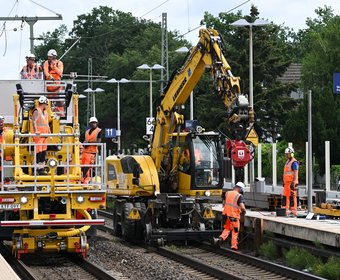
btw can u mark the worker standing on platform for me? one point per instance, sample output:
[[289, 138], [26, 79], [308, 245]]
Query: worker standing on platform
[[233, 207], [92, 135], [40, 126], [31, 70], [53, 70], [290, 182]]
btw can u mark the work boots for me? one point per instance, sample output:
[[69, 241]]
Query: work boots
[[217, 241]]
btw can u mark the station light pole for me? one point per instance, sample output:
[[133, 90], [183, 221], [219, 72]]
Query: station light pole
[[244, 23], [118, 132], [97, 90], [150, 68]]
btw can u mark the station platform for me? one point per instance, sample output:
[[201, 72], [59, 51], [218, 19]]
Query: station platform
[[325, 231], [7, 273]]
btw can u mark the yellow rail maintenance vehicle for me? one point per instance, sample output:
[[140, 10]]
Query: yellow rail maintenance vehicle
[[168, 195], [52, 212]]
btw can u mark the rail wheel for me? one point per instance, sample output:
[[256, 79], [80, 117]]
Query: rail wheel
[[117, 228], [128, 227]]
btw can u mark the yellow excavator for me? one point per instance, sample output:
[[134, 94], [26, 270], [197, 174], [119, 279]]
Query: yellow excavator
[[167, 195], [53, 211]]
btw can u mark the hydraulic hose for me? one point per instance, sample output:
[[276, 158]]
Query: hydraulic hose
[[78, 230]]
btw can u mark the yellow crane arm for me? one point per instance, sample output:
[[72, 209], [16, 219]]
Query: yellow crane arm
[[207, 55]]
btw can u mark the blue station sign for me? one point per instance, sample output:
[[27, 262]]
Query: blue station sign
[[336, 83], [110, 133]]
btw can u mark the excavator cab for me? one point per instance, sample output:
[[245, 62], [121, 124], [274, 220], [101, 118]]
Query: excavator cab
[[201, 174]]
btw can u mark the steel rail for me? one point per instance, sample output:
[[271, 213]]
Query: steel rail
[[18, 266], [260, 263]]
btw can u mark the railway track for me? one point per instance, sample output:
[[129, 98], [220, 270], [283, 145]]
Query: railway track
[[221, 263], [54, 266]]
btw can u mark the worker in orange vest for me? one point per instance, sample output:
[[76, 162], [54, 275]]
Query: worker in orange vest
[[2, 121], [92, 135], [40, 125], [31, 70], [233, 207], [53, 71], [198, 156], [290, 182]]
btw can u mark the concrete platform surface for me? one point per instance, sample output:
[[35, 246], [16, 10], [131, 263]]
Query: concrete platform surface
[[319, 231], [7, 273]]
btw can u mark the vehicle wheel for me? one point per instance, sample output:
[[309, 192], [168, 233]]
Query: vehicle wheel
[[117, 228], [128, 227], [147, 233], [139, 225]]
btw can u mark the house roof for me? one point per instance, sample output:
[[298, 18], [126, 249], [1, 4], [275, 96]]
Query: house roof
[[292, 74]]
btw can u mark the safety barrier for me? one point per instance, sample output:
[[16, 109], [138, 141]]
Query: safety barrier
[[19, 173]]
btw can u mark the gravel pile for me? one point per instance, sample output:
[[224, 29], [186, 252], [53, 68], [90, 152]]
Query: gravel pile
[[132, 262]]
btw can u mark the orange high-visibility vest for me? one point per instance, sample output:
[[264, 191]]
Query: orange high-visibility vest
[[54, 69], [91, 138], [41, 122], [231, 209], [31, 73], [288, 172]]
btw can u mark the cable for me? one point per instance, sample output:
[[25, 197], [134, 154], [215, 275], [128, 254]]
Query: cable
[[188, 15], [21, 28], [226, 13], [4, 24], [154, 8], [45, 8], [237, 7], [5, 43]]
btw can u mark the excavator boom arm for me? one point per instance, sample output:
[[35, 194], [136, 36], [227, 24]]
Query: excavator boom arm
[[207, 55]]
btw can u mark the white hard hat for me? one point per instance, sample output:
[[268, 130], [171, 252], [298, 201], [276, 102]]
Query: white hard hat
[[52, 52], [30, 56], [289, 150], [240, 184], [93, 119], [43, 100], [2, 118]]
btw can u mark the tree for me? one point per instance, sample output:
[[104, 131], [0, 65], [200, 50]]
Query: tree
[[321, 52], [117, 42], [271, 59]]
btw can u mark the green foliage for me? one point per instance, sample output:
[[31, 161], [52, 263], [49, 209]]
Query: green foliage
[[320, 52], [301, 259], [117, 43], [267, 160], [271, 58], [270, 250], [329, 270]]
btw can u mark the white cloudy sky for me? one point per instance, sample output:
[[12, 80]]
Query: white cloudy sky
[[183, 15]]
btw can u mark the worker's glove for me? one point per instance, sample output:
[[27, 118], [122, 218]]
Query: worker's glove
[[243, 211], [51, 78], [292, 186]]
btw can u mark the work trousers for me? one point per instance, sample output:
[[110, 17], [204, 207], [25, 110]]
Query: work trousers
[[289, 200], [231, 225], [87, 159]]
